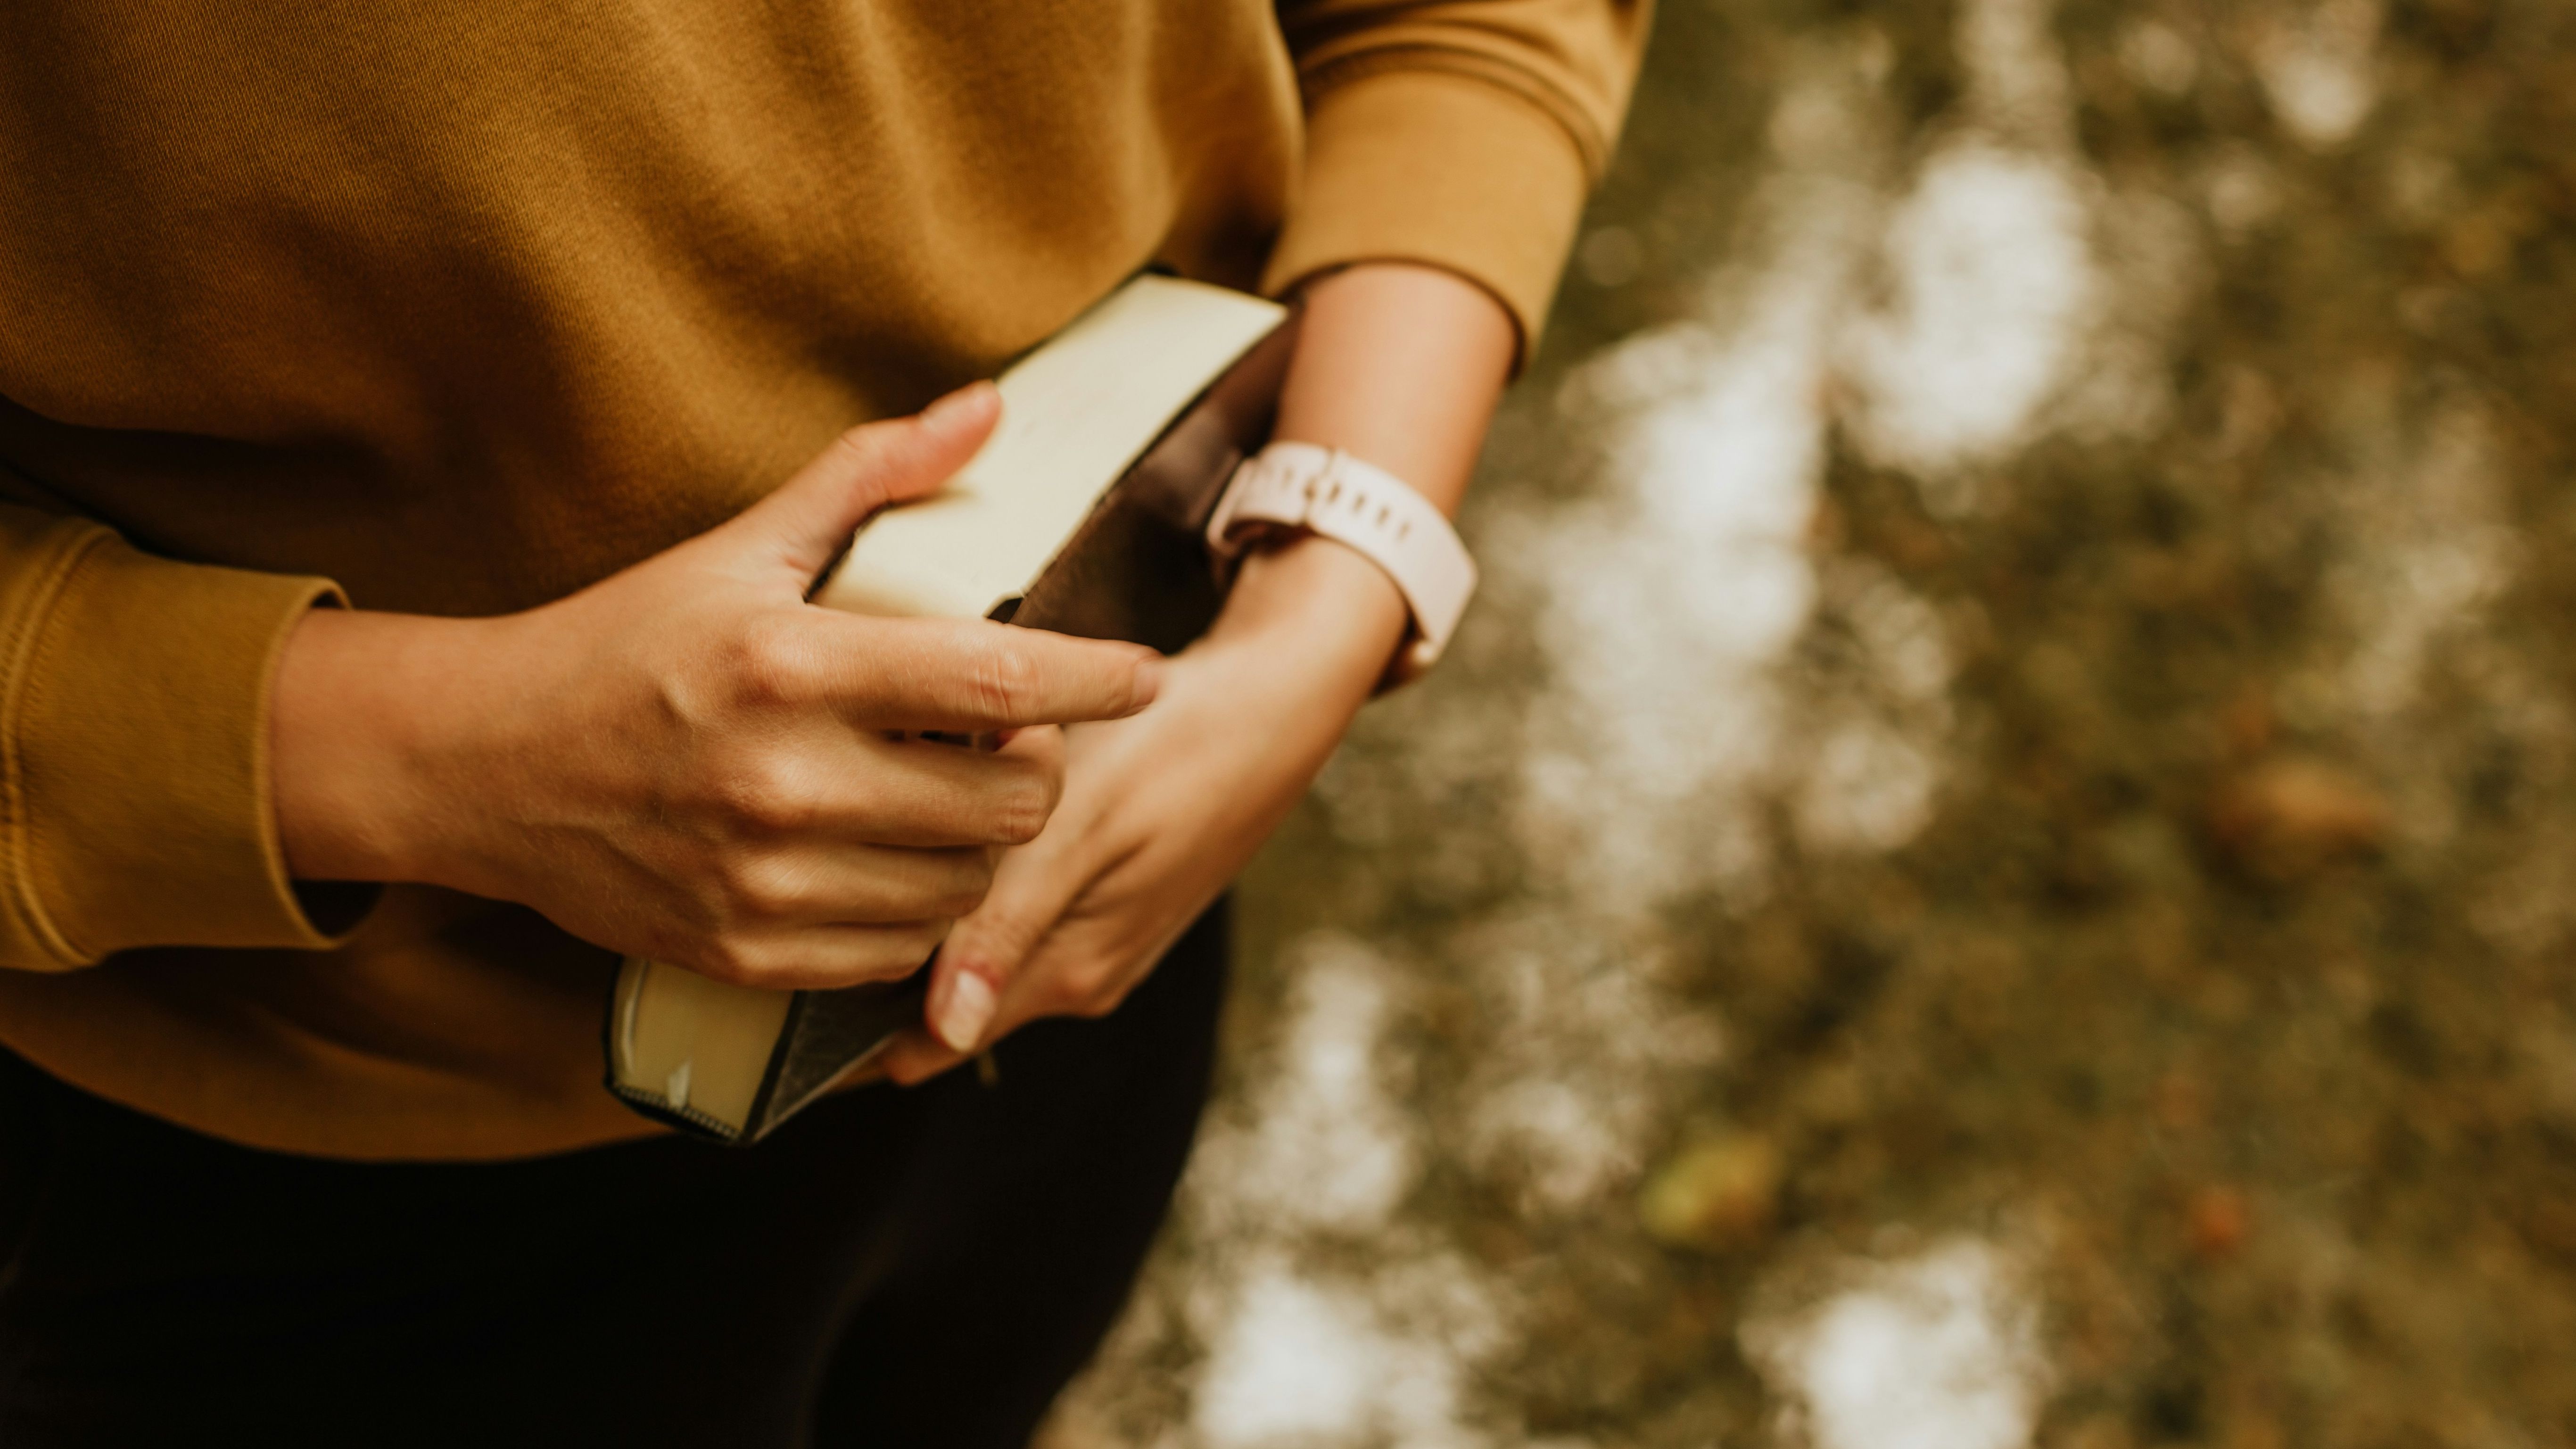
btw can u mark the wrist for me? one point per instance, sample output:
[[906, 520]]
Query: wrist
[[1291, 488], [1319, 608], [1398, 367], [359, 702]]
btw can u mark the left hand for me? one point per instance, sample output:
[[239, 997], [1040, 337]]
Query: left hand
[[1161, 810], [1396, 363]]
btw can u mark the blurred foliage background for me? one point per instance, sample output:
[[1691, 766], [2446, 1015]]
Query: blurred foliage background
[[1993, 865]]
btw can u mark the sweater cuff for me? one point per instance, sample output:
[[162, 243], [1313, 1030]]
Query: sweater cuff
[[1444, 168], [137, 746]]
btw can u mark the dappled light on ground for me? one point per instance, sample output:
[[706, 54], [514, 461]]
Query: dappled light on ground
[[1991, 867]]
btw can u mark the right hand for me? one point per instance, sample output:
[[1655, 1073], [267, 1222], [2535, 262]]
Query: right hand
[[689, 762]]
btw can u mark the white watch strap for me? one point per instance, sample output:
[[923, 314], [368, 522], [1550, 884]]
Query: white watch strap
[[1327, 491]]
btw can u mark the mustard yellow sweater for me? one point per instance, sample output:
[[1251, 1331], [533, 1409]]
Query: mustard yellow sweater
[[455, 306]]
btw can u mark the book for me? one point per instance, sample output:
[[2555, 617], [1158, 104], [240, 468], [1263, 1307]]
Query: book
[[1083, 513]]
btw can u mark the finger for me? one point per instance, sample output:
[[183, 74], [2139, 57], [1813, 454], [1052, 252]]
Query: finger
[[811, 516], [972, 675], [840, 883], [915, 1056], [986, 951], [924, 794], [1078, 969], [823, 958], [1087, 966]]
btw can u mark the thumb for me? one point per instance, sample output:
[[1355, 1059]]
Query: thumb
[[807, 521]]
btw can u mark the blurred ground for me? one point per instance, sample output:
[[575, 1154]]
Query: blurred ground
[[1993, 865]]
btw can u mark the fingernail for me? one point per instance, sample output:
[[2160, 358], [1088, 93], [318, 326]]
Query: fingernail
[[1147, 683], [948, 409], [968, 1011]]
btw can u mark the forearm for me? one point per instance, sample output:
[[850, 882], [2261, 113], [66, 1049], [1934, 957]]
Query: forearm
[[1399, 366]]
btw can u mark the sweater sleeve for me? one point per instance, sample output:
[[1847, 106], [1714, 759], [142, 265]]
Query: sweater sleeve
[[1464, 134], [134, 751]]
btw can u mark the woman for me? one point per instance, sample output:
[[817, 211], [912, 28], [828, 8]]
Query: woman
[[404, 619]]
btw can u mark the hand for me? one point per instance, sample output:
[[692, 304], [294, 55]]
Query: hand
[[687, 761], [1160, 811], [1400, 365]]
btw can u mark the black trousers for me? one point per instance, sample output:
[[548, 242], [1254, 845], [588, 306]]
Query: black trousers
[[923, 1267]]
